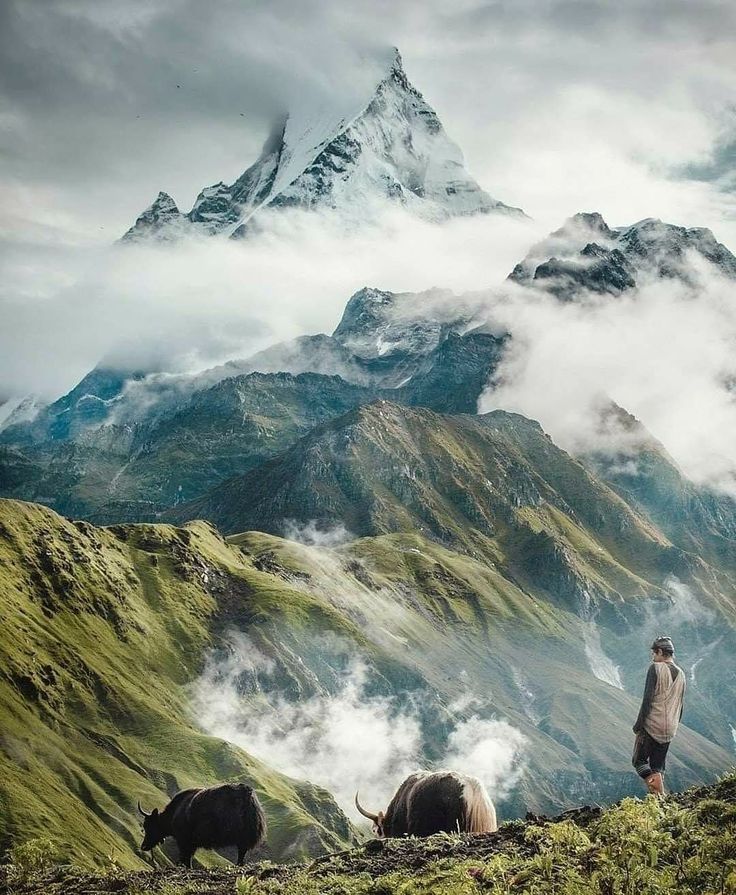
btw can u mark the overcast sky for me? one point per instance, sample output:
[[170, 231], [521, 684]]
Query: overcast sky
[[559, 106]]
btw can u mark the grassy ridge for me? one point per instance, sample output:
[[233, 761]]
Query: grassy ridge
[[449, 626], [684, 846]]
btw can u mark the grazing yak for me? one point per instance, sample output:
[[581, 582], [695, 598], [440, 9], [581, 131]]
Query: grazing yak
[[224, 815], [428, 803]]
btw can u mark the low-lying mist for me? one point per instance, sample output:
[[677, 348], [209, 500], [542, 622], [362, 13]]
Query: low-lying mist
[[663, 352], [188, 305], [348, 739]]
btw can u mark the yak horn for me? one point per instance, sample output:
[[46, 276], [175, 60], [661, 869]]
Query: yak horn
[[145, 814], [373, 817]]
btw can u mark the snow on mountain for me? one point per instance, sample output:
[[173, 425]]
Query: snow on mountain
[[19, 410], [587, 254], [162, 220], [392, 147], [377, 323]]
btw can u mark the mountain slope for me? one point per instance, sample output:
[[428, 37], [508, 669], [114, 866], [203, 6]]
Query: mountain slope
[[386, 468], [119, 448], [392, 148], [115, 473], [107, 635], [108, 631], [639, 468], [495, 487], [102, 634], [484, 645], [87, 405]]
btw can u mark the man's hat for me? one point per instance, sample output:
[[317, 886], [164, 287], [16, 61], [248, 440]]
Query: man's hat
[[664, 643]]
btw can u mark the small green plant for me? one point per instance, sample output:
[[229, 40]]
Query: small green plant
[[33, 857]]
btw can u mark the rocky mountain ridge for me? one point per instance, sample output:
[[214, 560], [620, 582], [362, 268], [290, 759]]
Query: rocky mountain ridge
[[106, 450], [585, 254]]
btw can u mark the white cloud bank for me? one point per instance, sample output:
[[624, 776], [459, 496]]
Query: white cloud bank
[[193, 304], [346, 740], [665, 353]]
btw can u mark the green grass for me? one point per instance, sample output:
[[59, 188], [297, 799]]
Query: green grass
[[102, 632], [105, 629]]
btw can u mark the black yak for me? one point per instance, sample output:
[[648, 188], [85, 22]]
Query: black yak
[[437, 802], [224, 815]]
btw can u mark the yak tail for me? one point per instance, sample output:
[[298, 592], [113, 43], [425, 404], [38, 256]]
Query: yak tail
[[480, 815], [254, 820]]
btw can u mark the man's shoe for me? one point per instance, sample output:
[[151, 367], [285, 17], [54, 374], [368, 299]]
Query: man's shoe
[[655, 784]]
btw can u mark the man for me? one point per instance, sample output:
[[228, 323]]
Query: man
[[659, 716]]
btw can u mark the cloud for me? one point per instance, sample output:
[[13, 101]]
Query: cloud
[[108, 104], [663, 352], [338, 741], [345, 740], [601, 665], [196, 303], [685, 609], [488, 749], [93, 125], [313, 534]]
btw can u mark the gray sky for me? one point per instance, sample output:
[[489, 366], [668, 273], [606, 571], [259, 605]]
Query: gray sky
[[556, 104]]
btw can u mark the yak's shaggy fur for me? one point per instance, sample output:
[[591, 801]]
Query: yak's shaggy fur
[[227, 815], [441, 801]]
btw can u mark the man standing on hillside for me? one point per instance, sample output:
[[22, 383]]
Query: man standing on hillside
[[659, 715]]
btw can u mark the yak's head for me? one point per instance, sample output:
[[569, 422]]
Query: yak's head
[[377, 819], [155, 830]]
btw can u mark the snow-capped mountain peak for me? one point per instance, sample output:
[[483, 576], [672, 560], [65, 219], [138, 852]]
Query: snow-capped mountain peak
[[389, 147], [162, 219]]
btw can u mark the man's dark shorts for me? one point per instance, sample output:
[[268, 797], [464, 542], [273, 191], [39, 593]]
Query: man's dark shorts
[[649, 755]]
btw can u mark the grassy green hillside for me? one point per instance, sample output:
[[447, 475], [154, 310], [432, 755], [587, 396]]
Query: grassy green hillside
[[493, 486], [102, 632], [107, 631], [450, 625]]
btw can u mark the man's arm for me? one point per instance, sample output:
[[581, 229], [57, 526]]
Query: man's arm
[[647, 698]]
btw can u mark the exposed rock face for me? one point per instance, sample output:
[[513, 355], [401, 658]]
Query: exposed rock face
[[392, 148], [585, 254], [161, 220], [88, 404]]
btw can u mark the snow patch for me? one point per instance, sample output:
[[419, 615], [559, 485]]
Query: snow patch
[[19, 410], [600, 665], [526, 695]]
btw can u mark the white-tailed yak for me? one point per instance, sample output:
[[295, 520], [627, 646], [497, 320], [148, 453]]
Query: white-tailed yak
[[437, 802]]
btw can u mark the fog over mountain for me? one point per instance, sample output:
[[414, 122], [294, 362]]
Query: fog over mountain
[[557, 106]]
